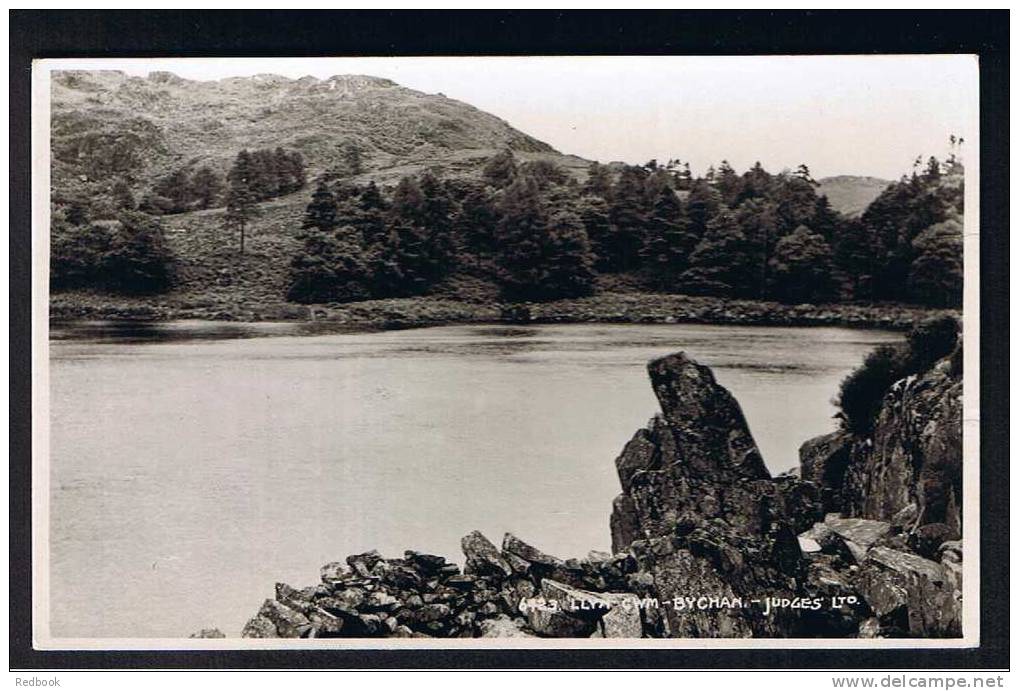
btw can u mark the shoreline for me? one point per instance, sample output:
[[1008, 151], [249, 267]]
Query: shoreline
[[422, 311]]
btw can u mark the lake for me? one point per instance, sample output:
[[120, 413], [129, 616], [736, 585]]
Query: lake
[[193, 465]]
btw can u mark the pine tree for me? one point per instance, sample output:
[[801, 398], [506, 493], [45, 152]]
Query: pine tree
[[321, 212], [669, 240], [628, 213], [240, 200]]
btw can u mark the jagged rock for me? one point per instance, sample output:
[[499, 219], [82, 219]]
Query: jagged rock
[[928, 538], [289, 623], [504, 627], [334, 572], [259, 627], [511, 544], [859, 534], [823, 461], [482, 556], [706, 420], [362, 564], [208, 633], [624, 524], [514, 591], [623, 619], [910, 592], [906, 517], [557, 616], [916, 453], [808, 545]]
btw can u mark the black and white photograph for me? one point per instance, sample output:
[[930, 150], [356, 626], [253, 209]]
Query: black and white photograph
[[517, 352]]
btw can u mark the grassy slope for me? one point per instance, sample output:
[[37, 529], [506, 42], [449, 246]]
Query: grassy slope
[[851, 194]]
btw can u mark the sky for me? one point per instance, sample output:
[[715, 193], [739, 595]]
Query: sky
[[841, 115]]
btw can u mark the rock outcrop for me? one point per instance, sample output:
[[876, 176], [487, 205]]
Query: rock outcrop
[[705, 542]]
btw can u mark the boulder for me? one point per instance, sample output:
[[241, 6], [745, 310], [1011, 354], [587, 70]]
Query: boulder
[[504, 627], [482, 556], [823, 461], [511, 544], [289, 623], [910, 592], [259, 627], [861, 531]]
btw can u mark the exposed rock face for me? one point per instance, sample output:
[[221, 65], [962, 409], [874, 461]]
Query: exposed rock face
[[913, 458], [699, 498]]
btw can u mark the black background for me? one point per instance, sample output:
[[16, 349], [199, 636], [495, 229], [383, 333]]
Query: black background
[[192, 33]]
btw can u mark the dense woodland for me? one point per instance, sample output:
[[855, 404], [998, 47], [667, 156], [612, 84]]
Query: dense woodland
[[539, 234]]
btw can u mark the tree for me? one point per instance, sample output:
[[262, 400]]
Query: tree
[[802, 267], [857, 254], [137, 259], [593, 212], [330, 267], [501, 169], [758, 223], [720, 264], [728, 184], [175, 187], [628, 213], [669, 239], [599, 181], [206, 187], [240, 200], [545, 254], [350, 158], [935, 276], [320, 214], [703, 204]]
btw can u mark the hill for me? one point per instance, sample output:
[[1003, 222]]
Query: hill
[[851, 194], [107, 123]]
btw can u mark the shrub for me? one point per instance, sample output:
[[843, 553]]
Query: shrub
[[861, 393], [932, 340]]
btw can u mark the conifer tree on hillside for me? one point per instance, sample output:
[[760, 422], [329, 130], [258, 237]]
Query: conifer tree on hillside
[[240, 199], [501, 169], [669, 239], [545, 254], [593, 212], [628, 213], [331, 267], [321, 212], [599, 181]]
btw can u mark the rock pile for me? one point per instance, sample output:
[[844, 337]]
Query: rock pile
[[515, 591], [706, 543]]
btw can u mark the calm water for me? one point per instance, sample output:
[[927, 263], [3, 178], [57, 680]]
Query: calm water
[[194, 466]]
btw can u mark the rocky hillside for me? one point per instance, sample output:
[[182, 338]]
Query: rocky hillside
[[106, 123], [851, 194], [706, 542]]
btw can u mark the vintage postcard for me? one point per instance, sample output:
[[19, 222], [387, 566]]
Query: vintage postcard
[[609, 352]]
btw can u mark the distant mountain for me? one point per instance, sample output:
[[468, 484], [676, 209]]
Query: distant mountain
[[851, 194], [106, 123]]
